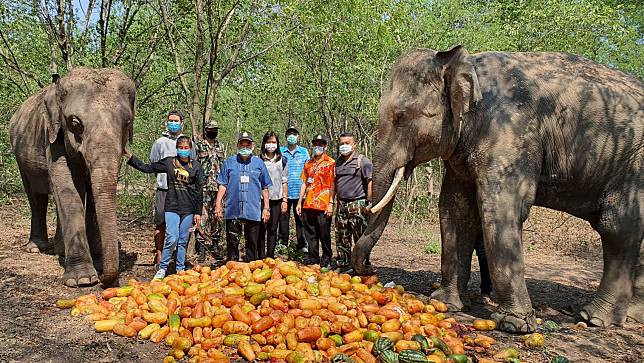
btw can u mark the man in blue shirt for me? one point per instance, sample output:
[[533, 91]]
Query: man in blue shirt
[[296, 156], [244, 180]]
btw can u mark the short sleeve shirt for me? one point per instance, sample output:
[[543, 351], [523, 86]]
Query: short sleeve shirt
[[351, 179], [278, 170], [319, 177], [296, 160], [244, 181]]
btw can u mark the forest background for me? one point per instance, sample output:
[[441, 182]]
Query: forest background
[[258, 65]]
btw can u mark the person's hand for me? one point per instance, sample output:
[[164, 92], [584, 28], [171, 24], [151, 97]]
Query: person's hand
[[126, 153], [266, 215], [284, 206], [219, 214], [298, 209], [197, 220], [329, 210]]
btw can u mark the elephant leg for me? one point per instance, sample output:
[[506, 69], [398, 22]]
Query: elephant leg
[[621, 229], [58, 242], [504, 205], [636, 307], [79, 269], [38, 241], [460, 224]]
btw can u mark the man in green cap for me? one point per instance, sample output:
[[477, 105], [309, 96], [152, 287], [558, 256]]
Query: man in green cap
[[211, 154]]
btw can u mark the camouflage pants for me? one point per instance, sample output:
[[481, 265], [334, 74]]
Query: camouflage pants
[[350, 224], [210, 228]]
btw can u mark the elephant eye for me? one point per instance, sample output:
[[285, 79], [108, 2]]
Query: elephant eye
[[75, 125]]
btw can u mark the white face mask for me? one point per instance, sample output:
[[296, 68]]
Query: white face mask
[[318, 150], [345, 149], [270, 147]]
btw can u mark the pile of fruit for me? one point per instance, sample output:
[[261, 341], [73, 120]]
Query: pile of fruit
[[272, 310]]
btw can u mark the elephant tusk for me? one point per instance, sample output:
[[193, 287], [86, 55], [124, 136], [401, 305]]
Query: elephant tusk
[[390, 193]]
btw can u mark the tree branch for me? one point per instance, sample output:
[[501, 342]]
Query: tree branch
[[166, 83]]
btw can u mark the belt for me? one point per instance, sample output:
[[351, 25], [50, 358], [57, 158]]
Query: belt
[[344, 200], [162, 190]]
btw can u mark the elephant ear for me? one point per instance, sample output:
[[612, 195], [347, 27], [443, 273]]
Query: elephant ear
[[53, 110], [461, 83]]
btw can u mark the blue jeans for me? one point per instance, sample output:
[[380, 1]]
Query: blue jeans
[[177, 232]]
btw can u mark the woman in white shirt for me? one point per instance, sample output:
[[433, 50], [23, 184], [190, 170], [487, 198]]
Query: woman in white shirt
[[277, 194]]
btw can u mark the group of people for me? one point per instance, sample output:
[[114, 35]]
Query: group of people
[[254, 192]]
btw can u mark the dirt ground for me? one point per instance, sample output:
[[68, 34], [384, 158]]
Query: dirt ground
[[563, 258]]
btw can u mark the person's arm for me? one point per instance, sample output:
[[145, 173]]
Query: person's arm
[[298, 208], [154, 153], [329, 208], [221, 192], [155, 167], [367, 172], [284, 188], [266, 213], [222, 181], [199, 179]]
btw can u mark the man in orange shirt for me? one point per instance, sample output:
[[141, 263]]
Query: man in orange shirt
[[316, 202]]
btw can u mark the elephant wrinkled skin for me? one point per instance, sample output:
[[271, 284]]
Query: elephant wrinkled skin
[[68, 140], [517, 130]]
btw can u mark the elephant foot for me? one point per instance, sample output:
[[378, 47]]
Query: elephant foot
[[451, 299], [84, 275], [636, 311], [513, 322], [34, 246], [361, 269], [601, 313]]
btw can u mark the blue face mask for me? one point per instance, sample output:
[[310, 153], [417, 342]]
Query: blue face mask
[[291, 139], [183, 153], [245, 151], [174, 127]]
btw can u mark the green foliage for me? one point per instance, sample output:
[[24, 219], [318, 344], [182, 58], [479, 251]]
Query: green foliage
[[433, 247], [316, 64]]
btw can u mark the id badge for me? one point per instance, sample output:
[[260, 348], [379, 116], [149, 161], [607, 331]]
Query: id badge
[[309, 180], [244, 179]]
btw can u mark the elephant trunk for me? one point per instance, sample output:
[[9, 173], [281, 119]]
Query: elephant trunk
[[384, 177], [104, 175]]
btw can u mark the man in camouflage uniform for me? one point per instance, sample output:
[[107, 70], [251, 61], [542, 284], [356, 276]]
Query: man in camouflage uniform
[[210, 153], [353, 190]]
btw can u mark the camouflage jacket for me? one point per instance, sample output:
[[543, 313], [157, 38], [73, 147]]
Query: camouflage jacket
[[211, 157]]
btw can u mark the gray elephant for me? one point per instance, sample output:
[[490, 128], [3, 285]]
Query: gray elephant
[[517, 130], [68, 140]]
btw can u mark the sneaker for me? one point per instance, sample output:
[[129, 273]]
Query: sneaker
[[159, 275]]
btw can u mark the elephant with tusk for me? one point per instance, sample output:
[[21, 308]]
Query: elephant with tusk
[[516, 130], [68, 140]]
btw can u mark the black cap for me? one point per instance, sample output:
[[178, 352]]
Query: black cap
[[245, 135], [319, 137], [292, 128]]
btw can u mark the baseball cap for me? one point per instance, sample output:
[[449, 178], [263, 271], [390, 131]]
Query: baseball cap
[[245, 136], [292, 128], [319, 137], [212, 125]]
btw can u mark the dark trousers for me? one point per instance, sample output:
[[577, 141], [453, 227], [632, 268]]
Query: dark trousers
[[486, 281], [317, 229], [268, 231], [284, 225], [251, 235]]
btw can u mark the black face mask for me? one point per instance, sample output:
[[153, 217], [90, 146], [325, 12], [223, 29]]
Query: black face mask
[[211, 134]]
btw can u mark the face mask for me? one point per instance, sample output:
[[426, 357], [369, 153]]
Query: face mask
[[318, 150], [174, 126], [270, 147], [211, 134], [345, 149], [183, 153], [245, 151], [291, 139]]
